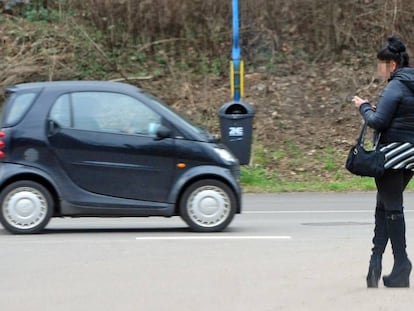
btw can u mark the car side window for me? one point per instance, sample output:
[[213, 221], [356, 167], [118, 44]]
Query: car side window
[[86, 111], [130, 116], [60, 112], [105, 112]]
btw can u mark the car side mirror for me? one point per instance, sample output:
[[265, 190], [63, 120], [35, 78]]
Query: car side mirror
[[53, 127], [163, 132]]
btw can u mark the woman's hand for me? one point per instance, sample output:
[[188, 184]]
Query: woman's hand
[[358, 101]]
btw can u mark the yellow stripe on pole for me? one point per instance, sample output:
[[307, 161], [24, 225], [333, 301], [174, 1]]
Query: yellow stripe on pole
[[241, 79], [232, 78]]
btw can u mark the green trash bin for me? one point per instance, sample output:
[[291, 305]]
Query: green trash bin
[[236, 126]]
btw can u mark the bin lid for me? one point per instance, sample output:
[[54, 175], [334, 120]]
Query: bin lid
[[237, 109]]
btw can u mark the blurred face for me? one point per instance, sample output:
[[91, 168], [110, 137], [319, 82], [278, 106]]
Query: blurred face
[[386, 68]]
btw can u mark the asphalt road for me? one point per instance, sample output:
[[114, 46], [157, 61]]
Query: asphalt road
[[306, 251]]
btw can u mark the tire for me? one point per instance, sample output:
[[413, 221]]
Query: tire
[[208, 206], [25, 207]]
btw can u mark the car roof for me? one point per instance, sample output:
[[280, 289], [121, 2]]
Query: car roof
[[75, 85]]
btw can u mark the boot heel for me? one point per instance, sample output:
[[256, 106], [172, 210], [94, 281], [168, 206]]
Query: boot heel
[[373, 279], [374, 271]]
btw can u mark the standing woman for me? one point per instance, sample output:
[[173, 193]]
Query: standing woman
[[393, 119]]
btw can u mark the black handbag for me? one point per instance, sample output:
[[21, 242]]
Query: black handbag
[[363, 162]]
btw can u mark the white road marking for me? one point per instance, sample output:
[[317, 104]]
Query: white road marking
[[215, 237], [315, 212]]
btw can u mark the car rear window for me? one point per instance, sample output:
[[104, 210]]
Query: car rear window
[[15, 107]]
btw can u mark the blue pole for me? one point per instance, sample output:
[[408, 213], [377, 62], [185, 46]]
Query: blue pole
[[235, 54]]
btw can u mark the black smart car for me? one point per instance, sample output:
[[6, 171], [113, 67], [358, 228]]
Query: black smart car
[[105, 149]]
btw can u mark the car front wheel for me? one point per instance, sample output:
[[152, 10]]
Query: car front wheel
[[208, 205], [26, 207]]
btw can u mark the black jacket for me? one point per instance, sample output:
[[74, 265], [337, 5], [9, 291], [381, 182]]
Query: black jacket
[[394, 115]]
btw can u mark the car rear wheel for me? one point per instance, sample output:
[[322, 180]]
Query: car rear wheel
[[26, 207], [208, 206]]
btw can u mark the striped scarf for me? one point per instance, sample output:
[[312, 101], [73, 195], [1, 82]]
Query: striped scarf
[[399, 156]]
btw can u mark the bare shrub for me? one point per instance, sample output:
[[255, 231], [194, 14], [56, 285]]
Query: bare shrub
[[321, 28], [115, 33]]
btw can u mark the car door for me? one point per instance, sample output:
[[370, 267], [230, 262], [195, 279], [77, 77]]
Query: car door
[[106, 144]]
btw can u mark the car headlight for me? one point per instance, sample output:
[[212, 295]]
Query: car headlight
[[225, 155]]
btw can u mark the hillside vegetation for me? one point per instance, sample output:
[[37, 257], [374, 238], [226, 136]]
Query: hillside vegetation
[[304, 61]]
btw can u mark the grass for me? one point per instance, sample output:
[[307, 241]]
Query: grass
[[258, 180], [261, 177]]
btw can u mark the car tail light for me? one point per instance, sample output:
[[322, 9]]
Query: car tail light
[[2, 145]]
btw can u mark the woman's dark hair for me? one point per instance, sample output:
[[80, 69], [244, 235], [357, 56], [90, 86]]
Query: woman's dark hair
[[394, 50]]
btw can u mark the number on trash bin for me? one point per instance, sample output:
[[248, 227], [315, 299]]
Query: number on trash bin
[[236, 131]]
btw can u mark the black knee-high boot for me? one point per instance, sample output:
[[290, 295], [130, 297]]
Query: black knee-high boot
[[400, 274], [380, 242]]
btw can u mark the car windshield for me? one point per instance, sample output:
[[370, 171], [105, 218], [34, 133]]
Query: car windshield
[[185, 122]]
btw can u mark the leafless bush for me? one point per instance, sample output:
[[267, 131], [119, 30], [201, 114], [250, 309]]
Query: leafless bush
[[272, 31], [321, 28]]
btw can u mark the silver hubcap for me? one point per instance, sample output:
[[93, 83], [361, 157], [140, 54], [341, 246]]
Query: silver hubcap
[[25, 208], [209, 206]]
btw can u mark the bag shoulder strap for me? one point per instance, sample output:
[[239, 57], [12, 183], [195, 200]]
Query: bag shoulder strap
[[361, 138]]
